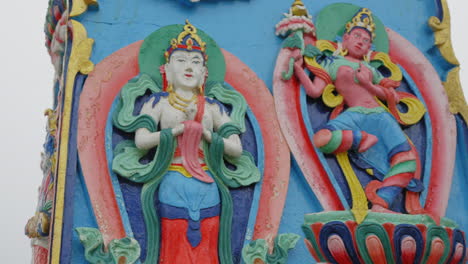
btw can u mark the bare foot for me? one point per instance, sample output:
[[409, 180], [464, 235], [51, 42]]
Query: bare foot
[[368, 140], [322, 137]]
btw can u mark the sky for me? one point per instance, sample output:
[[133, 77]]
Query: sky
[[26, 75]]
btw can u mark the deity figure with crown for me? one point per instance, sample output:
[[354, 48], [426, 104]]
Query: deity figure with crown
[[184, 151], [360, 124], [191, 186], [189, 199], [359, 111]]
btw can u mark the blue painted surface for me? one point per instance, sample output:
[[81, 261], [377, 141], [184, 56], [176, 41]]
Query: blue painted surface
[[258, 187], [244, 28], [300, 201], [118, 23], [71, 174], [83, 216]]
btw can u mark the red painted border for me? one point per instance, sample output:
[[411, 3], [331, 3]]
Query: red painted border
[[99, 92], [444, 131], [288, 109], [277, 157]]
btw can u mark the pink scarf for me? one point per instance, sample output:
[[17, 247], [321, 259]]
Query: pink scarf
[[189, 142]]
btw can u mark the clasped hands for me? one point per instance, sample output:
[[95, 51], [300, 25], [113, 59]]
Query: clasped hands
[[179, 129]]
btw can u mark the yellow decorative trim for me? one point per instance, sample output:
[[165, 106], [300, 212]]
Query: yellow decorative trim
[[387, 62], [359, 208], [455, 95], [442, 33], [51, 121], [312, 62], [329, 97], [416, 110], [325, 45], [79, 62], [362, 19], [183, 171], [80, 6]]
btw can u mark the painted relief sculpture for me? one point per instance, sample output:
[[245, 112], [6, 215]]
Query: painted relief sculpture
[[369, 104], [194, 204], [181, 175], [166, 146], [38, 227], [366, 128]]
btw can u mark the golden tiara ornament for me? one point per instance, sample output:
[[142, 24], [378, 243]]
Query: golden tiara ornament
[[187, 40], [362, 19]]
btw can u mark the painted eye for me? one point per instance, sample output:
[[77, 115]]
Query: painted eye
[[180, 60], [196, 62], [356, 35], [366, 40]]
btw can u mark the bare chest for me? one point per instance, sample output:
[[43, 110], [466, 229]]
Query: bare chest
[[172, 116]]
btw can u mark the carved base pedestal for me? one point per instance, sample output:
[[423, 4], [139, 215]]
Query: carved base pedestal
[[335, 237]]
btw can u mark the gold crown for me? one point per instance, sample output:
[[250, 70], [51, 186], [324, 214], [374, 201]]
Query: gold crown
[[362, 19], [187, 40]]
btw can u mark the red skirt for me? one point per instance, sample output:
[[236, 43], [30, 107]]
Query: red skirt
[[176, 249]]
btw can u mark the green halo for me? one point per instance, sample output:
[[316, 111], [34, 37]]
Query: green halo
[[152, 50], [331, 22]]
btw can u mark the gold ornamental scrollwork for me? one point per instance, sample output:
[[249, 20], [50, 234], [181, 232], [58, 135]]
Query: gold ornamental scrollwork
[[80, 6], [442, 31], [442, 37], [455, 95]]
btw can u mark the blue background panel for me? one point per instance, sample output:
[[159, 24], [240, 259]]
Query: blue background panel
[[246, 29]]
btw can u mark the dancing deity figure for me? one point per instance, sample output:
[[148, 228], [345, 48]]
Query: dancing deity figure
[[365, 128]]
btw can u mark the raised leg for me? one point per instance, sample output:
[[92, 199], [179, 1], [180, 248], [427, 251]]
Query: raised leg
[[338, 141]]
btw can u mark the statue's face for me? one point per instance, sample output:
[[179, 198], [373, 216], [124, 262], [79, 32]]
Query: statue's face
[[186, 70], [358, 42]]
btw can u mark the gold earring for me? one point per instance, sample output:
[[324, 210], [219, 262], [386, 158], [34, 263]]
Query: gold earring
[[344, 52], [200, 89], [169, 88]]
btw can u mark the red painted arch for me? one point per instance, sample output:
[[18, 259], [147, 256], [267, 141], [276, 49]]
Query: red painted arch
[[99, 92], [429, 84], [444, 131]]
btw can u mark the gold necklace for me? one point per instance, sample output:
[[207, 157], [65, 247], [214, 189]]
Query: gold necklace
[[179, 102]]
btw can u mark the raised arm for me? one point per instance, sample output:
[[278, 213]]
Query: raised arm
[[313, 88]]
